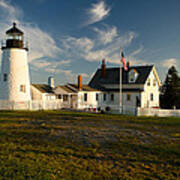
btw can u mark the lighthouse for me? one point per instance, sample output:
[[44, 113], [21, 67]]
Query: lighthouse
[[14, 77]]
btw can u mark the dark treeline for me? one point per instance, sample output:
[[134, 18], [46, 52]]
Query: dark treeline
[[170, 91]]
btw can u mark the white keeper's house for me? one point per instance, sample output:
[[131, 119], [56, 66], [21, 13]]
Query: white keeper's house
[[140, 86]]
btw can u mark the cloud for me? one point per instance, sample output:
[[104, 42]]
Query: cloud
[[111, 51], [106, 36], [105, 44], [9, 12], [41, 43], [137, 51], [97, 12], [169, 62], [69, 75], [52, 65], [41, 64], [65, 62], [83, 44]]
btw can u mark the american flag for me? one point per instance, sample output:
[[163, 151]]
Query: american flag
[[124, 61]]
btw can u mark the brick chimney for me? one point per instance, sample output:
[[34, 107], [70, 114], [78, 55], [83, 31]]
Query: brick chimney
[[103, 69], [80, 82]]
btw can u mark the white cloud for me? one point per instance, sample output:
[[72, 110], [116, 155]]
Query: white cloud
[[169, 62], [95, 49], [41, 64], [65, 62], [96, 55], [111, 52], [98, 12], [68, 74], [41, 43], [83, 44], [9, 12], [106, 36], [137, 51], [52, 65]]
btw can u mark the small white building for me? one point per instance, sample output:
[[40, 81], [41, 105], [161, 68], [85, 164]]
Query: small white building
[[42, 92], [140, 86], [78, 96]]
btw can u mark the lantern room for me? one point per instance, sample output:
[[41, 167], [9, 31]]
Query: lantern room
[[14, 38]]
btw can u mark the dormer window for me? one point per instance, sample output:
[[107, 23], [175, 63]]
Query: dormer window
[[133, 74]]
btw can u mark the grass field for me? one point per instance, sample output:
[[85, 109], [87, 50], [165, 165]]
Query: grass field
[[72, 145]]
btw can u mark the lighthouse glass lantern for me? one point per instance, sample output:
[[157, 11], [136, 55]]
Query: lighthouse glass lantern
[[14, 76], [14, 38]]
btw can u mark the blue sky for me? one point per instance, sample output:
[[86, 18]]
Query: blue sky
[[67, 38]]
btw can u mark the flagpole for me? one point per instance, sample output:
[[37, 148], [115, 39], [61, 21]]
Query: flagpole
[[120, 84]]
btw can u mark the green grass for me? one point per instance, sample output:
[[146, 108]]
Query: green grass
[[73, 145]]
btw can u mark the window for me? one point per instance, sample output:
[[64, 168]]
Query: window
[[154, 82], [97, 96], [59, 96], [85, 96], [148, 82], [104, 97], [133, 74], [23, 88], [5, 77], [128, 97], [151, 97], [65, 97], [112, 97]]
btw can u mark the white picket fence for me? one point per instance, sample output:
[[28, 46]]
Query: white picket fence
[[31, 105], [58, 104], [158, 112], [137, 111]]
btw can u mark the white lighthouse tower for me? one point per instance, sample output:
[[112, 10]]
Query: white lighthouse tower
[[14, 77]]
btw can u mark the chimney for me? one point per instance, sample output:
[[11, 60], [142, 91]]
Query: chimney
[[128, 65], [103, 67], [80, 82], [51, 82]]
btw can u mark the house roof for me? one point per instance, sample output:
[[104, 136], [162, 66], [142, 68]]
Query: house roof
[[67, 89], [44, 88], [85, 87], [73, 88], [112, 76]]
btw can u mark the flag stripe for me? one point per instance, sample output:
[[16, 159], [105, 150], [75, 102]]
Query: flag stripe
[[123, 61]]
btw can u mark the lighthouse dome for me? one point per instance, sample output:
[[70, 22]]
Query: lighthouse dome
[[14, 30]]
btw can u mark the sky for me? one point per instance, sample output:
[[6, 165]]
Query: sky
[[71, 37]]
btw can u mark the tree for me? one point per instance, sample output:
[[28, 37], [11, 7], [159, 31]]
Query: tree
[[170, 92]]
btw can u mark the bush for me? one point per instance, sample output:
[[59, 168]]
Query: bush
[[108, 109]]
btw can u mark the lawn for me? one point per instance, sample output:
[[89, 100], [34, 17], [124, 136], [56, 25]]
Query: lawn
[[72, 145]]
